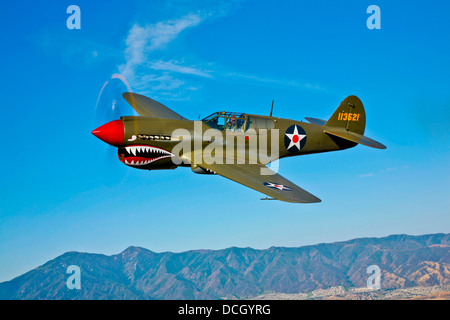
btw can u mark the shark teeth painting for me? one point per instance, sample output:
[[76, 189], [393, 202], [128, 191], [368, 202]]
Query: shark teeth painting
[[141, 155]]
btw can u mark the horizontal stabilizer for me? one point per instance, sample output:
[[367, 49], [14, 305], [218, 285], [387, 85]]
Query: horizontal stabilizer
[[354, 137], [319, 122]]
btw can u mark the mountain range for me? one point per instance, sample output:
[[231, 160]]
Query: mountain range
[[239, 273]]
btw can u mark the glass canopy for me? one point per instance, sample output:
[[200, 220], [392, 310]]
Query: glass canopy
[[232, 121]]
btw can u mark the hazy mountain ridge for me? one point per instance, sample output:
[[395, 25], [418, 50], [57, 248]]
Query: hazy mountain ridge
[[138, 273]]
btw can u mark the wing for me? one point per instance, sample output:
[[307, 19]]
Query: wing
[[150, 108], [273, 185]]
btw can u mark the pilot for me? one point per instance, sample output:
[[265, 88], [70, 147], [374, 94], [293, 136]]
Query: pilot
[[232, 121]]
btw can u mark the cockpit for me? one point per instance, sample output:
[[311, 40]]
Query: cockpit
[[232, 121], [237, 122]]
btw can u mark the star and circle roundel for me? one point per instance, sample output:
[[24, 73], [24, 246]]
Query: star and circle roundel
[[294, 138]]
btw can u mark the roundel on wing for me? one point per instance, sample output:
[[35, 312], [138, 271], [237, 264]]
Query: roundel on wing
[[294, 138]]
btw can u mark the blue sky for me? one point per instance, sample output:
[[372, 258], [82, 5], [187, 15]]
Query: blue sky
[[63, 189]]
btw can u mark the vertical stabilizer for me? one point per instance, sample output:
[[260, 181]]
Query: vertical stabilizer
[[350, 115]]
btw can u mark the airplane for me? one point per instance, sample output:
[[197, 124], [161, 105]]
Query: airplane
[[151, 141]]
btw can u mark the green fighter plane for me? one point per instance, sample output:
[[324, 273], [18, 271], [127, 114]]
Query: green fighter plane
[[237, 146]]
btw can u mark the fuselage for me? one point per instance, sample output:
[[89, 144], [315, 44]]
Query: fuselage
[[159, 143]]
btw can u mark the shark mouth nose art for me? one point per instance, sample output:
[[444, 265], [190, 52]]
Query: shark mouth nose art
[[141, 155]]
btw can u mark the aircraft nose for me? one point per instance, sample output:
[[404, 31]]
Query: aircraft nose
[[112, 133]]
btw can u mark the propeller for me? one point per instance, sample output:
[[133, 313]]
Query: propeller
[[111, 106], [110, 103]]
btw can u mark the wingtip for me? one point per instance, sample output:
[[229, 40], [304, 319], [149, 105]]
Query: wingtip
[[376, 145], [316, 200], [311, 199]]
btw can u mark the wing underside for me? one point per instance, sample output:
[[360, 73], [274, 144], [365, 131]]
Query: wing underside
[[273, 185]]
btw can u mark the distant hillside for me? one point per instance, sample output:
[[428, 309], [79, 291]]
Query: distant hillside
[[137, 273]]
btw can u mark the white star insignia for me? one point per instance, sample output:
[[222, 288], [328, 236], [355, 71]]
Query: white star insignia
[[277, 186], [295, 138]]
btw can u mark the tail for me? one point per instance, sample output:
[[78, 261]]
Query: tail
[[349, 122], [350, 115]]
